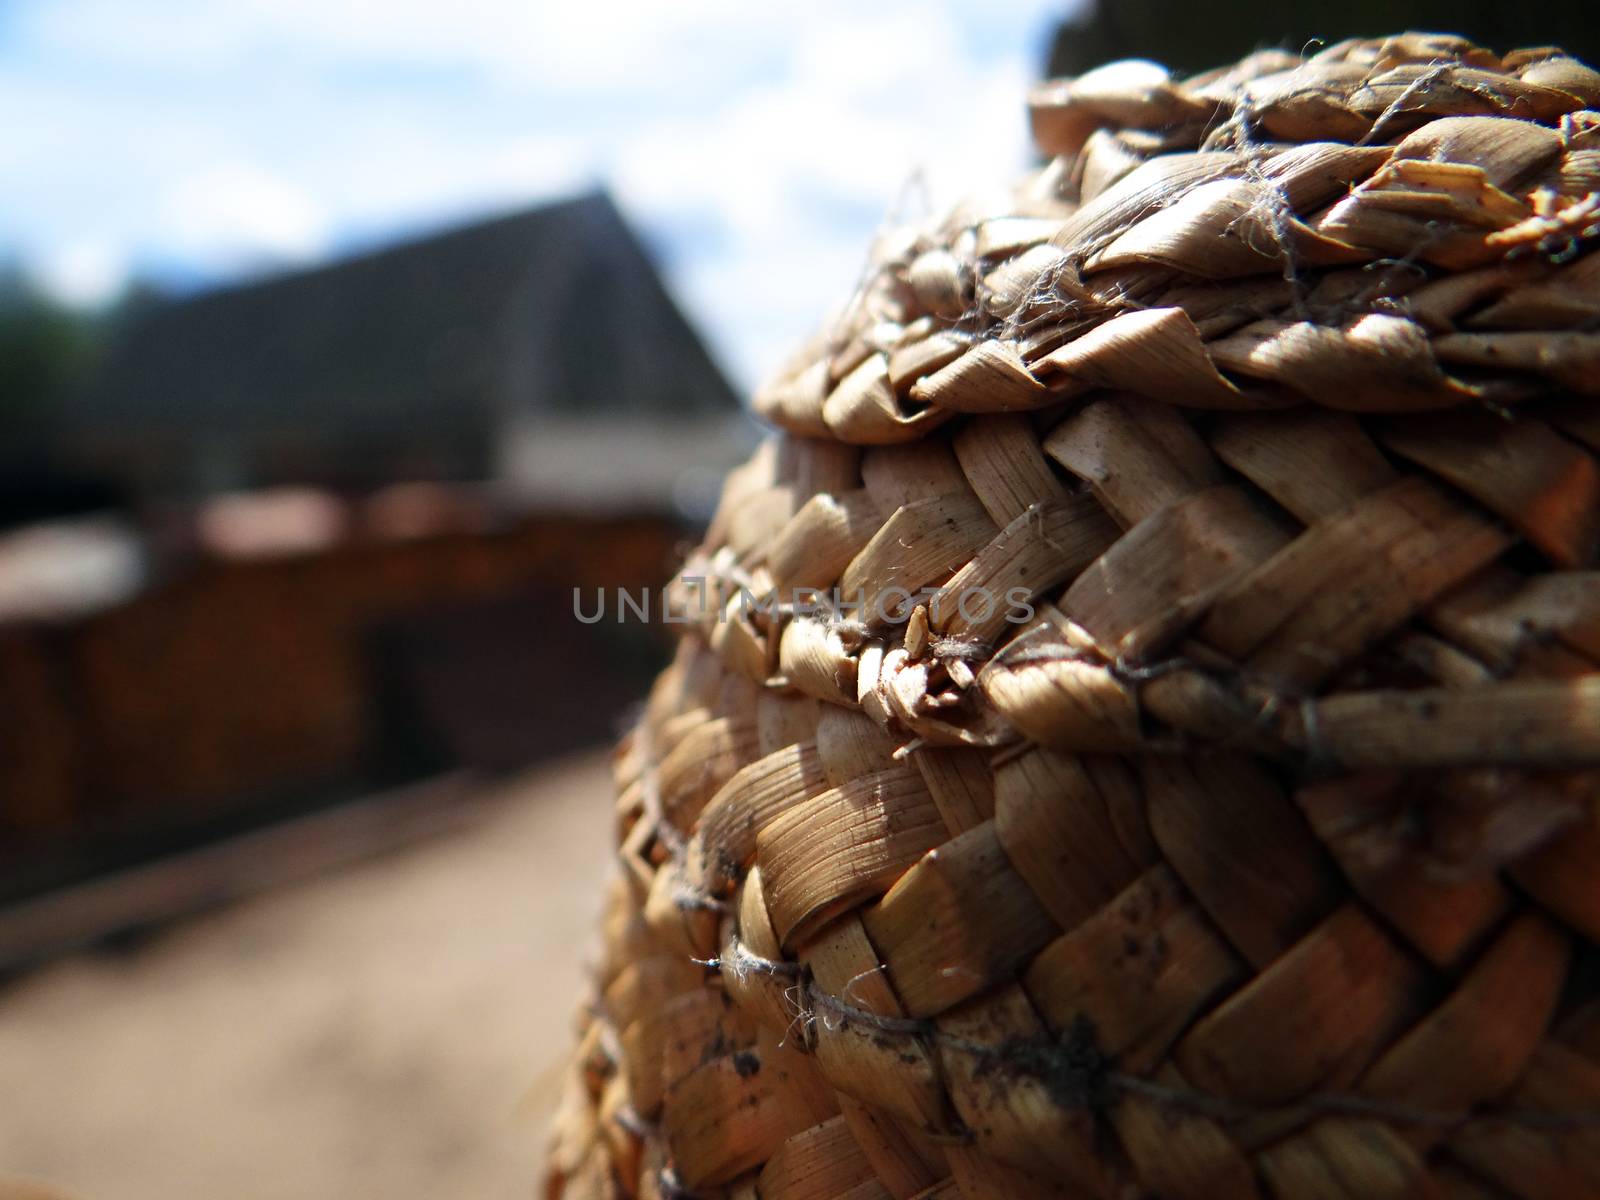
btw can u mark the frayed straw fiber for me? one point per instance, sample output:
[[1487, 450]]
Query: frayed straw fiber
[[1247, 844]]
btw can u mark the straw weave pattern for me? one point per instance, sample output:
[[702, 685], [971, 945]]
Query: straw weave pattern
[[1254, 851]]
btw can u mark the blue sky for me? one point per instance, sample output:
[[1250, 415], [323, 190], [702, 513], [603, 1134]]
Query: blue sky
[[757, 145]]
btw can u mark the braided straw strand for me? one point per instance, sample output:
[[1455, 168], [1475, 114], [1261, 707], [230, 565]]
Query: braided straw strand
[[1135, 725]]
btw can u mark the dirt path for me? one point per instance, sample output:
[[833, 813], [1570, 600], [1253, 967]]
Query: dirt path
[[393, 1031]]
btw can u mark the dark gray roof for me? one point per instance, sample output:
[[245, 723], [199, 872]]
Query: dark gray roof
[[554, 309]]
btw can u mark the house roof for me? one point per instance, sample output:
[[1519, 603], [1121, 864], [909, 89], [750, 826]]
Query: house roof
[[557, 308]]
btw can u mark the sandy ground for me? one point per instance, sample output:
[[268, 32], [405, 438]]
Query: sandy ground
[[396, 1030]]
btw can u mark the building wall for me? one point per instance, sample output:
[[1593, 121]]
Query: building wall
[[234, 688]]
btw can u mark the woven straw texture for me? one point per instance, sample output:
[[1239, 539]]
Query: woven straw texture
[[1258, 853]]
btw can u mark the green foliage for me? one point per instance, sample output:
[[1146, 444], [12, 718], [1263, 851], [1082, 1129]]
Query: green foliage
[[46, 349]]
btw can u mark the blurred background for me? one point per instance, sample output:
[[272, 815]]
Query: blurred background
[[339, 342]]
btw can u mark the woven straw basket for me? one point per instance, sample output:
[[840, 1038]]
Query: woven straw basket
[[1246, 842]]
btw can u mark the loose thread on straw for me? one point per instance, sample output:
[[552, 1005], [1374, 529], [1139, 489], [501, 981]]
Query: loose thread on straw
[[1074, 1067]]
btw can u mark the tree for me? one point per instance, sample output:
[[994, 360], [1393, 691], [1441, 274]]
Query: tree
[[1189, 36], [45, 349]]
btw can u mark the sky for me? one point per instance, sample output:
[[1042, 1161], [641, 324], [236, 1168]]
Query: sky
[[757, 146]]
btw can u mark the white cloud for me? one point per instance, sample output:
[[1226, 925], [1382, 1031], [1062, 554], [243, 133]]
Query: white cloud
[[762, 141], [566, 47], [239, 211], [87, 273], [800, 171]]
